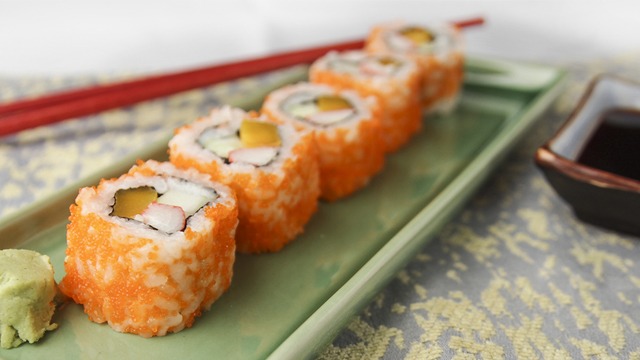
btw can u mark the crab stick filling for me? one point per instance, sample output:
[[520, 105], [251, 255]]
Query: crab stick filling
[[165, 210], [369, 65], [320, 110], [255, 142]]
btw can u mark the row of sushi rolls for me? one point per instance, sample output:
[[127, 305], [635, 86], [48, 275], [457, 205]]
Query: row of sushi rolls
[[149, 251]]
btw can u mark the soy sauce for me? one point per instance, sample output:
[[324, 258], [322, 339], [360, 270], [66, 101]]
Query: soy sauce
[[615, 145]]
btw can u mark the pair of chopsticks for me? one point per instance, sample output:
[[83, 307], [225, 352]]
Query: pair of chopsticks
[[30, 113]]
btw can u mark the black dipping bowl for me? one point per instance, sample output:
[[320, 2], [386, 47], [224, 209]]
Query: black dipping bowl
[[593, 161]]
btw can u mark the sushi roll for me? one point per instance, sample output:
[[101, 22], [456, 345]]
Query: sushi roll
[[393, 79], [347, 132], [149, 251], [272, 168], [438, 51]]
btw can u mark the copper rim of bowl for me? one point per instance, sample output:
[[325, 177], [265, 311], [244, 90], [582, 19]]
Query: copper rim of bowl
[[546, 157]]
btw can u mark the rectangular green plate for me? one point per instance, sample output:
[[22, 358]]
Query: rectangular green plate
[[290, 304]]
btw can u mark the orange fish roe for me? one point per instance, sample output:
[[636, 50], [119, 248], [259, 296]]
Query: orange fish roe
[[441, 62], [138, 279], [276, 200], [442, 81], [350, 152], [344, 172], [397, 92]]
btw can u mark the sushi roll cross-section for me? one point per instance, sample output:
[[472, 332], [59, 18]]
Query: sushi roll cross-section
[[394, 80], [347, 132], [272, 168], [149, 251], [438, 51]]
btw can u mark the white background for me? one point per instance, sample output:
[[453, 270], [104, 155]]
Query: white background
[[47, 37]]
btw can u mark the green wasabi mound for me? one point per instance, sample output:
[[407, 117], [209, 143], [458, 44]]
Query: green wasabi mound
[[27, 290]]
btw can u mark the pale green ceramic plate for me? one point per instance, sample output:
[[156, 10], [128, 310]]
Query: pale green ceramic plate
[[290, 304]]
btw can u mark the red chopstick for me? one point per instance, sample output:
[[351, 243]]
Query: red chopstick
[[46, 110], [468, 22], [30, 113]]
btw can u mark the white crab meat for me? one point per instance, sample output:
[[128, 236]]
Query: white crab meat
[[400, 43], [223, 146], [258, 156], [189, 202], [167, 218], [344, 66], [374, 68], [331, 117]]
